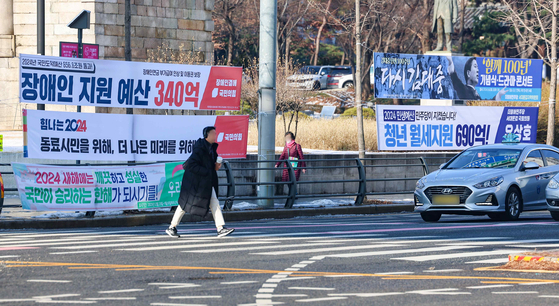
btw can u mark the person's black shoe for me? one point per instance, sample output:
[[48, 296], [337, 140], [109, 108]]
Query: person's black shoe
[[172, 231], [224, 232]]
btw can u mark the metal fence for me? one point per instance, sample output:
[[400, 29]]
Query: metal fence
[[363, 167]]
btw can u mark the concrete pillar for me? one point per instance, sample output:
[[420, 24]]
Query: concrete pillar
[[7, 17], [7, 41]]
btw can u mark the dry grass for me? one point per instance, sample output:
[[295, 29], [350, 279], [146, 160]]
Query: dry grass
[[337, 134]]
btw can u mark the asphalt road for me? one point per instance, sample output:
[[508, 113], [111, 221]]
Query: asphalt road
[[394, 259]]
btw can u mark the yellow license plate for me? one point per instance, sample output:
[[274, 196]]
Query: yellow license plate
[[446, 200]]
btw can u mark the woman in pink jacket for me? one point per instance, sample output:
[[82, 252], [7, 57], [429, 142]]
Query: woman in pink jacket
[[293, 153]]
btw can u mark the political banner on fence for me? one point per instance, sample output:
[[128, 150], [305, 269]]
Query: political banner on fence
[[90, 82], [410, 76], [90, 188], [90, 136], [430, 128]]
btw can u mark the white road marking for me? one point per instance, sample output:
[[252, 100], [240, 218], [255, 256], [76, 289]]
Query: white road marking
[[68, 242], [550, 296], [10, 256], [196, 297], [277, 246], [173, 304], [239, 282], [73, 252], [47, 281], [125, 244], [189, 246], [322, 299], [516, 292], [277, 280], [333, 249], [502, 242], [554, 245], [421, 250], [442, 271], [16, 300], [366, 294], [269, 285], [311, 288], [453, 255], [269, 296], [266, 290], [489, 286], [489, 261], [64, 301], [120, 291], [395, 273], [540, 283], [46, 297], [444, 291], [124, 298], [342, 275], [174, 285]]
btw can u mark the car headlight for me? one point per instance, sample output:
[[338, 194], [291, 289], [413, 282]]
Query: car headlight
[[553, 184], [420, 184], [493, 182]]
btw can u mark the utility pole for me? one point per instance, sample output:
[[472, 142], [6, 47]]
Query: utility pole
[[41, 34], [127, 45], [358, 89], [553, 85], [267, 99]]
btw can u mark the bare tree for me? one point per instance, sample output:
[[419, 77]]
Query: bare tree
[[535, 22], [319, 33], [224, 10]]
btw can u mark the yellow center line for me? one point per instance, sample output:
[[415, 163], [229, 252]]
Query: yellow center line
[[218, 270]]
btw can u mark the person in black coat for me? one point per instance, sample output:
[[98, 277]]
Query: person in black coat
[[200, 184]]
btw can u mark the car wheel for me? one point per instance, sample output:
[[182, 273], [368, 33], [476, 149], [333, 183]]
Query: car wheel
[[430, 216], [348, 85], [513, 204], [316, 86], [555, 215]]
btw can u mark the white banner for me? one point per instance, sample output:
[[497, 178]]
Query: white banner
[[56, 188], [90, 136], [90, 82], [427, 128]]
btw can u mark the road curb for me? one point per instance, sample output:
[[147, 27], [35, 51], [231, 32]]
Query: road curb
[[520, 257], [162, 218]]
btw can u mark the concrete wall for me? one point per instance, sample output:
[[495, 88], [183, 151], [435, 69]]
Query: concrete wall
[[397, 169], [177, 24]]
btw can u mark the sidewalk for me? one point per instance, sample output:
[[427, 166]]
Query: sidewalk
[[14, 217]]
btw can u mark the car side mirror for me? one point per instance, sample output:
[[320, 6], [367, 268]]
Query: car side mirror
[[323, 73], [529, 166], [442, 166]]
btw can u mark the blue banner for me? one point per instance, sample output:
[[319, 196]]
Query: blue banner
[[410, 76], [435, 128]]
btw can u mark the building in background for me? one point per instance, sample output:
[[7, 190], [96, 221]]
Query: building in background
[[173, 24]]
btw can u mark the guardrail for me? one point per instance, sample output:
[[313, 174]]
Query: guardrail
[[362, 179]]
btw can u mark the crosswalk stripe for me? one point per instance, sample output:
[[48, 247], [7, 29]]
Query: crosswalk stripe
[[67, 239], [503, 242], [323, 250], [421, 250], [278, 246], [125, 244], [489, 261], [306, 238], [457, 255], [69, 242], [192, 246]]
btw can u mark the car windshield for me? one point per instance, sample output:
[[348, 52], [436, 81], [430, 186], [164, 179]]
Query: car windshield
[[309, 70], [485, 158]]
